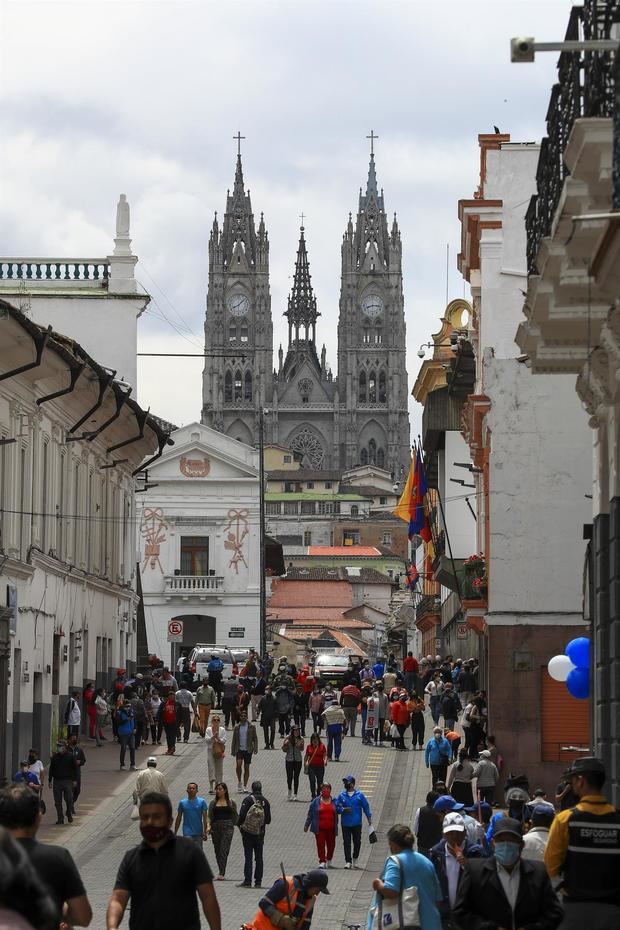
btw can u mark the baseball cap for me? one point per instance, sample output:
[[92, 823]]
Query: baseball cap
[[586, 766], [543, 810], [484, 806], [349, 779], [447, 803], [507, 825], [151, 760], [453, 821], [316, 878]]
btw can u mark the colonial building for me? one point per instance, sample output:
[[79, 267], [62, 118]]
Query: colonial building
[[72, 441], [199, 543], [330, 422]]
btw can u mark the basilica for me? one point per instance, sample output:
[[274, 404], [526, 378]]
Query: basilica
[[359, 414]]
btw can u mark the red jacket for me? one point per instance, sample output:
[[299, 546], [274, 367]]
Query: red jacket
[[399, 712], [411, 665], [316, 754]]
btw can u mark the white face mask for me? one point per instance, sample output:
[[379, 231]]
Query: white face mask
[[350, 790]]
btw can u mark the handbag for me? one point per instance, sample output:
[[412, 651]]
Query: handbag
[[372, 835], [218, 750], [394, 731], [401, 913], [135, 812]]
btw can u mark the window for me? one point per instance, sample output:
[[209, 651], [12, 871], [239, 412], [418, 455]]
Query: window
[[289, 486], [238, 385], [327, 507], [309, 485], [351, 538], [328, 485], [228, 387], [387, 539], [287, 459], [290, 508], [383, 500], [372, 388], [244, 332], [307, 538], [232, 333], [364, 456], [382, 391], [362, 387], [308, 508], [272, 508], [366, 336], [354, 510], [378, 335], [372, 452], [564, 721], [381, 458], [194, 555], [247, 386]]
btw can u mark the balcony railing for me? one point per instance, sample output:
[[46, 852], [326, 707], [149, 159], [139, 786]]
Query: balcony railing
[[186, 585], [54, 269], [585, 88], [428, 604]]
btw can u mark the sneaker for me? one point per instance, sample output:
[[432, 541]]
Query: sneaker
[[355, 864], [329, 864], [244, 885], [322, 865], [347, 865], [239, 788], [290, 795], [132, 768], [122, 768], [245, 789], [294, 798], [257, 885]]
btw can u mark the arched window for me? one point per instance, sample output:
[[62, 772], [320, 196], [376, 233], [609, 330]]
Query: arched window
[[364, 456], [372, 388], [378, 335], [372, 452], [232, 333], [244, 331], [366, 335], [381, 458], [355, 510], [228, 387], [247, 391], [382, 394], [238, 385], [362, 391]]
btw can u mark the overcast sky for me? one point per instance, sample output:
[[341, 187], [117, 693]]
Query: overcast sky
[[99, 97]]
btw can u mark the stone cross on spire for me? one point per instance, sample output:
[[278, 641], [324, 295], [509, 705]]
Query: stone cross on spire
[[238, 138], [372, 138]]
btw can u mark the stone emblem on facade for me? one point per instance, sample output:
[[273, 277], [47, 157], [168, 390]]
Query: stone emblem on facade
[[153, 528], [236, 531], [304, 386], [194, 468]]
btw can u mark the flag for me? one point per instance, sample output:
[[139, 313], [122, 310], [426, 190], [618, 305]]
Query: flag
[[413, 577], [403, 509], [410, 507]]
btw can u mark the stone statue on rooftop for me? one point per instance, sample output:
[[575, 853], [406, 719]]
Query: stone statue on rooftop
[[122, 218]]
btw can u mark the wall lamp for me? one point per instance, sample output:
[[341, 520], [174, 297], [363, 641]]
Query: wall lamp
[[453, 344]]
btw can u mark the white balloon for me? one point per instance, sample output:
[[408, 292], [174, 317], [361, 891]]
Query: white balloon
[[559, 667]]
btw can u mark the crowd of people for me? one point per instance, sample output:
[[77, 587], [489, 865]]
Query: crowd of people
[[481, 862]]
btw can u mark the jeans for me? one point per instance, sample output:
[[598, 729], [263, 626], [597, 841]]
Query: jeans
[[317, 723], [334, 740], [99, 728], [364, 716], [284, 721], [185, 720], [449, 722], [252, 846], [63, 790], [439, 772], [400, 740], [269, 732], [127, 741], [315, 776], [355, 834], [417, 729], [351, 715], [171, 735], [379, 734], [299, 716], [434, 705], [292, 775]]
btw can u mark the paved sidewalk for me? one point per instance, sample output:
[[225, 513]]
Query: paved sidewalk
[[395, 784]]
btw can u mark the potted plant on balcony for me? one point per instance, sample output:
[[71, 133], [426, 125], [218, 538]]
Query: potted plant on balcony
[[475, 583]]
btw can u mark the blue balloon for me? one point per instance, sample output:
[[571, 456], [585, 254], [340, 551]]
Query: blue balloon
[[578, 651], [578, 683]]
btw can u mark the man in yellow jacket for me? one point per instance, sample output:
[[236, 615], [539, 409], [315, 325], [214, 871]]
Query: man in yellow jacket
[[584, 850], [289, 902]]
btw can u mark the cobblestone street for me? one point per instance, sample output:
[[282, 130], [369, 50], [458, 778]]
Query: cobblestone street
[[395, 783]]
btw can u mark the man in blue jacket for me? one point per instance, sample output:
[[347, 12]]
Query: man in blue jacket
[[438, 755], [351, 804]]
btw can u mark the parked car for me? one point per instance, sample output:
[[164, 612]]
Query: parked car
[[330, 669], [200, 656]]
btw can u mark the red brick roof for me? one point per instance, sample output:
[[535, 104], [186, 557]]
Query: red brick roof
[[316, 616], [352, 551], [285, 593]]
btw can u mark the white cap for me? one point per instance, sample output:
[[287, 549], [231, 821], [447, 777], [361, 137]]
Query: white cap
[[151, 760], [453, 821]]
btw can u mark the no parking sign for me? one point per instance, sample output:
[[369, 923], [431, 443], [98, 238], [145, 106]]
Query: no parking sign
[[175, 631]]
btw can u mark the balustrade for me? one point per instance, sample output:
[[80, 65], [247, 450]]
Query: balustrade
[[193, 584], [54, 269]]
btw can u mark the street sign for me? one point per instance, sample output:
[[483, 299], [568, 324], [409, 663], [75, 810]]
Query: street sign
[[437, 643], [175, 631], [11, 601], [237, 629], [236, 634], [461, 631]]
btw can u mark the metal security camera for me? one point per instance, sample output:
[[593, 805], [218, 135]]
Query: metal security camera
[[421, 353], [522, 49]]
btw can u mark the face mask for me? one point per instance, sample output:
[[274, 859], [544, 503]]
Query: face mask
[[325, 792], [350, 791], [507, 853], [153, 834]]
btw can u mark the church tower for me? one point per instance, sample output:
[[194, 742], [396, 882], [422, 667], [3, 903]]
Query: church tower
[[237, 377], [372, 373]]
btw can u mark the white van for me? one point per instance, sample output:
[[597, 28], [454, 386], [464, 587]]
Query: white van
[[200, 656]]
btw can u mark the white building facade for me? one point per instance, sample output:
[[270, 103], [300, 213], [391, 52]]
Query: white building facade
[[199, 543]]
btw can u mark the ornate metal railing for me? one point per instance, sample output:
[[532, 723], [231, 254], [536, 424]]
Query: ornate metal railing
[[428, 604], [585, 88], [54, 269]]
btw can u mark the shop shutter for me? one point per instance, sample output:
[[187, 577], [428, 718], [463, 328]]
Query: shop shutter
[[565, 721]]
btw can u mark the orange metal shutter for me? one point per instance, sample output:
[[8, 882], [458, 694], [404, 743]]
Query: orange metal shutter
[[565, 721]]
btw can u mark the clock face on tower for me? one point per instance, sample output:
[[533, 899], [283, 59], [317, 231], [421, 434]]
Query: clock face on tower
[[238, 304], [372, 305]]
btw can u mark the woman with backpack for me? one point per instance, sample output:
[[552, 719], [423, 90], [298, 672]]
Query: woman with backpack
[[168, 716], [293, 747], [222, 819], [215, 742], [314, 763]]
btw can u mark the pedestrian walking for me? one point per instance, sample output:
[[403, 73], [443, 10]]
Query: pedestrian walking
[[417, 708], [459, 782], [139, 715], [410, 672], [267, 715], [186, 709], [289, 903], [257, 692], [406, 869], [300, 708], [88, 696], [322, 820], [229, 697], [125, 725], [152, 703], [449, 856], [254, 817], [427, 825], [284, 708], [400, 717], [101, 715], [314, 763], [168, 717], [215, 670], [352, 805], [62, 776], [73, 714], [215, 742], [449, 706], [382, 711], [244, 746], [26, 902], [435, 689], [506, 891], [74, 747], [334, 718], [149, 780], [37, 768], [293, 749], [222, 818], [350, 697], [21, 816], [486, 776], [192, 811], [477, 724], [162, 877], [536, 839], [437, 755], [584, 849], [316, 706]]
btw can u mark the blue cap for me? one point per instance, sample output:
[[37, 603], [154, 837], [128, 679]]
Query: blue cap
[[484, 806], [447, 803], [349, 778]]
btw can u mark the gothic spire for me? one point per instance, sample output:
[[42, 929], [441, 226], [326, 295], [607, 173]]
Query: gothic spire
[[302, 311]]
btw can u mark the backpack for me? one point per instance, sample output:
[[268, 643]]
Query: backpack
[[255, 818], [170, 713]]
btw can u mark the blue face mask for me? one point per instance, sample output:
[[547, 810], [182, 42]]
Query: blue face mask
[[507, 853]]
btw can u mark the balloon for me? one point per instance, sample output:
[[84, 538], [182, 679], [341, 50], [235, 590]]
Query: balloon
[[578, 683], [559, 667], [578, 651]]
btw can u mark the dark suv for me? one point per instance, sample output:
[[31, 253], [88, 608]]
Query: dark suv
[[330, 669]]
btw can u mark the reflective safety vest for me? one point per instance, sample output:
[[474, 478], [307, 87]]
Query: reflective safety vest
[[592, 864], [286, 906]]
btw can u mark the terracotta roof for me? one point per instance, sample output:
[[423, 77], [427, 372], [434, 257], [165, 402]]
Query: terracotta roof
[[325, 594], [352, 551], [347, 643], [315, 616], [340, 573]]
